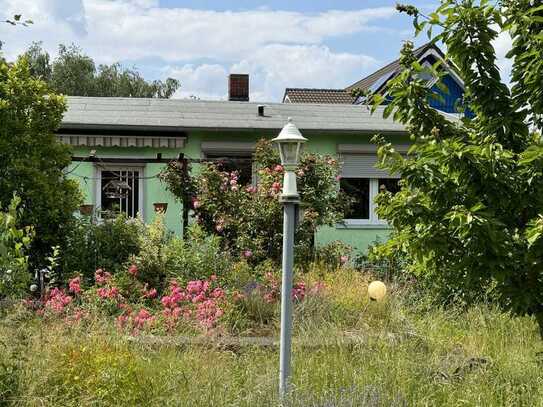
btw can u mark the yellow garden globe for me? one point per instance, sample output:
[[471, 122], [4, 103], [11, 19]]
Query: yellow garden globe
[[377, 290]]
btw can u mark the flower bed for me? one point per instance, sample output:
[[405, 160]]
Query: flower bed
[[202, 305]]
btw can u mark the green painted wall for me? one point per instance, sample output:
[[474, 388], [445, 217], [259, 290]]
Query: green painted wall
[[154, 191]]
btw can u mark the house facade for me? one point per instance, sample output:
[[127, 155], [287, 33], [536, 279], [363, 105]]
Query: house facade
[[121, 144]]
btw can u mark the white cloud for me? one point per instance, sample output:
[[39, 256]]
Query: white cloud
[[272, 69], [503, 45], [205, 81], [279, 48], [275, 67]]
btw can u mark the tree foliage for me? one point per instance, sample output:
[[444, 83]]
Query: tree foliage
[[14, 243], [469, 214], [75, 74], [32, 160]]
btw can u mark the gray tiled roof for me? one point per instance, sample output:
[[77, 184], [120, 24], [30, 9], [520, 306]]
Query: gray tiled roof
[[309, 95], [181, 114]]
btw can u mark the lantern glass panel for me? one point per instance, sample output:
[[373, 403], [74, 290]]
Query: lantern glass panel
[[289, 152]]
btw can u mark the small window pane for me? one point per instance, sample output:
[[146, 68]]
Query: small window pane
[[359, 190], [390, 184], [120, 192]]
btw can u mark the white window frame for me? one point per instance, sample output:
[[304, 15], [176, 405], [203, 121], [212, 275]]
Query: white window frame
[[98, 169], [373, 220]]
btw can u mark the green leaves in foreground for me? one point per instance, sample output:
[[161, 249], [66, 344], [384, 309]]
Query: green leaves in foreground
[[469, 216]]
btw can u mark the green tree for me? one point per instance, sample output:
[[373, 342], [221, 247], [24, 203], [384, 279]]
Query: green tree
[[39, 61], [14, 241], [32, 160], [75, 74], [469, 213]]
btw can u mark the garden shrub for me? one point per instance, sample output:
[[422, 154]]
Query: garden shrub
[[468, 216], [249, 218], [163, 256], [199, 256], [14, 245], [32, 159], [334, 254], [107, 244]]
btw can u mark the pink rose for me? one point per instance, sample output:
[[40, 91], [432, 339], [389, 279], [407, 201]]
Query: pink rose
[[133, 270], [75, 285]]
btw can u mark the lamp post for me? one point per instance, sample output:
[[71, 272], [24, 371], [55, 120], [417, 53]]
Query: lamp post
[[289, 141]]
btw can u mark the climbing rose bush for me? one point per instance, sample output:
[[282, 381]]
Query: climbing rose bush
[[249, 217]]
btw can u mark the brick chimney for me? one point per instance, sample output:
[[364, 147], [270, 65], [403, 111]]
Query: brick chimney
[[238, 87]]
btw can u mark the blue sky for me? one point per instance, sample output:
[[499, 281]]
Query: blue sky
[[280, 43]]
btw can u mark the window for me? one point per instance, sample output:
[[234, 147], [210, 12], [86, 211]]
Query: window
[[242, 163], [359, 190], [232, 156], [362, 180], [363, 191], [120, 190]]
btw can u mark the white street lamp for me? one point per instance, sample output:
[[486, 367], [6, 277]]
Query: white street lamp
[[289, 141]]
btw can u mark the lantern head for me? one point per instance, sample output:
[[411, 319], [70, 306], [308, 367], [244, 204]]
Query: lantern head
[[290, 141]]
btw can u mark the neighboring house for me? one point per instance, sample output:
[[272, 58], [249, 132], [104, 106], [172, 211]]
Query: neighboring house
[[427, 55], [121, 144]]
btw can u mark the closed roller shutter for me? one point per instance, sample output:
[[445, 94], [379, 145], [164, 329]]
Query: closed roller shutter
[[362, 166]]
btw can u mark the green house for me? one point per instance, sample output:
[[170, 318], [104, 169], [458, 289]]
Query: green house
[[120, 145]]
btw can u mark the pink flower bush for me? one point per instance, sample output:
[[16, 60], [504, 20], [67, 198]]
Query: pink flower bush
[[108, 293], [198, 299], [143, 318], [275, 188], [208, 312], [298, 291], [343, 259], [318, 288], [247, 253], [196, 203], [149, 293], [74, 285], [57, 300], [101, 277]]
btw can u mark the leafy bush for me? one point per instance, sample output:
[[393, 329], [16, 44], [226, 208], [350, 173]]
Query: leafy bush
[[163, 256], [468, 216], [108, 245], [334, 254], [32, 160], [14, 245], [250, 217]]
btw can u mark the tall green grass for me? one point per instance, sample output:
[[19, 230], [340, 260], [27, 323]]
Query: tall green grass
[[348, 352]]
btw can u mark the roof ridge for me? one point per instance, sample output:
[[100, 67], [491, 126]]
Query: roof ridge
[[390, 66], [320, 89]]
